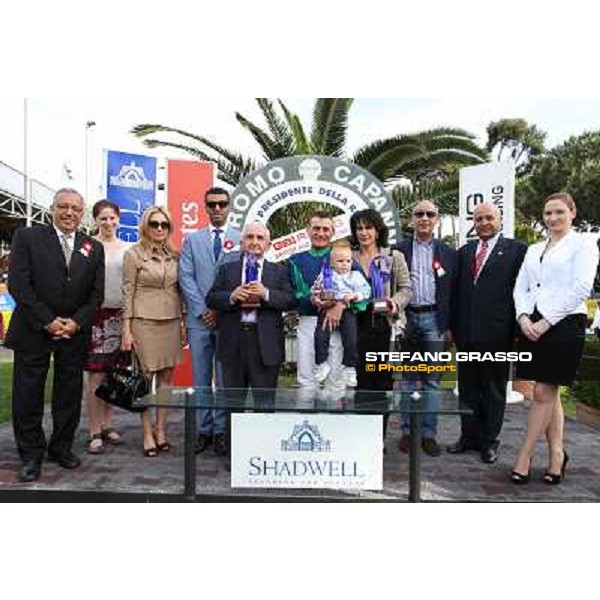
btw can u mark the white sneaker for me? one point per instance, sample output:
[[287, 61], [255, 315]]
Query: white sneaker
[[322, 372], [350, 377]]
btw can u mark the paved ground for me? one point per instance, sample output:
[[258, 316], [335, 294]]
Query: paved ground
[[448, 478]]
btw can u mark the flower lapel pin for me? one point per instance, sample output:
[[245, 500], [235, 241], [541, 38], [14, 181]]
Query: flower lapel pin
[[86, 249], [230, 246], [438, 269]]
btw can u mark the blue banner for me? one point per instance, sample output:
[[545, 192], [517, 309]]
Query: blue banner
[[131, 184]]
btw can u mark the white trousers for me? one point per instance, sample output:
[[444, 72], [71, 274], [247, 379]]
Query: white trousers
[[306, 357]]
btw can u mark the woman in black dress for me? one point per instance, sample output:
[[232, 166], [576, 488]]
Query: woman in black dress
[[556, 278]]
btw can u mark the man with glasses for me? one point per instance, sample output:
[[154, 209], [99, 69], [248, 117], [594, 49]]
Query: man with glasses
[[432, 267], [56, 277], [203, 252]]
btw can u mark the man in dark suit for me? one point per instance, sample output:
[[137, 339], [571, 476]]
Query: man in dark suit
[[432, 266], [484, 321], [250, 340], [250, 334], [56, 277]]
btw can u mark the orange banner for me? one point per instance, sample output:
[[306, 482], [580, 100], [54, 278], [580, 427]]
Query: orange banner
[[187, 182]]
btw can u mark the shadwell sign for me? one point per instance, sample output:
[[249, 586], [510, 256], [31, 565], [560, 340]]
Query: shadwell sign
[[335, 452]]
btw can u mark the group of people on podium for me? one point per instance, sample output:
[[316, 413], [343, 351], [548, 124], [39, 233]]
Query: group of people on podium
[[81, 300]]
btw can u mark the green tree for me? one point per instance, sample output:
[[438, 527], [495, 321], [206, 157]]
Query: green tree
[[517, 140], [572, 167], [442, 191], [419, 159]]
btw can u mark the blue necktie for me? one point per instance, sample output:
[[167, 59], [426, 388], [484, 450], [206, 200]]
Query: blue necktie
[[217, 244]]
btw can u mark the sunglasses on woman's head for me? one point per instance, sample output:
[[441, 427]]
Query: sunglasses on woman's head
[[159, 225]]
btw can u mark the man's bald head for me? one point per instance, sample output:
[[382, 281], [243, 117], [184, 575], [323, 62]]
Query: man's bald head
[[488, 220]]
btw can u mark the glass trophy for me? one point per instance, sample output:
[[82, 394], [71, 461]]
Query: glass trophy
[[327, 293], [378, 280], [253, 302]]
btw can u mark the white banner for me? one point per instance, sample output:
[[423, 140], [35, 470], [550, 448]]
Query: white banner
[[294, 243], [493, 182], [293, 451]]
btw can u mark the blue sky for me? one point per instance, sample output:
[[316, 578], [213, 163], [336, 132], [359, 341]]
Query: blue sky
[[57, 126]]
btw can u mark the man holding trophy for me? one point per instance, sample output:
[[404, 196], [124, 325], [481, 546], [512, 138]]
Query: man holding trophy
[[250, 296]]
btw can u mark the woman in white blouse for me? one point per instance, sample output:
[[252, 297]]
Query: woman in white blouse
[[556, 278], [106, 328]]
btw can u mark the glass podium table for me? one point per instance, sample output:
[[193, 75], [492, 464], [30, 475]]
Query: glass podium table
[[304, 402]]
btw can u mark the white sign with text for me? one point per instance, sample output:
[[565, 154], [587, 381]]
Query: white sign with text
[[493, 182], [294, 451]]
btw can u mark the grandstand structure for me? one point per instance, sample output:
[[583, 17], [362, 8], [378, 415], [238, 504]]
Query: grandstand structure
[[13, 205]]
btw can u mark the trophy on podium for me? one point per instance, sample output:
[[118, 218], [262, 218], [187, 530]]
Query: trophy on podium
[[253, 302], [327, 293], [378, 281]]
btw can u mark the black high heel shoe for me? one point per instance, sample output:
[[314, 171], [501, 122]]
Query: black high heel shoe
[[520, 479], [551, 478], [164, 448]]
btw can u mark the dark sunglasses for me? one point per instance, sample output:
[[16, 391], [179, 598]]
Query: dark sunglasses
[[213, 205], [425, 213], [159, 225]]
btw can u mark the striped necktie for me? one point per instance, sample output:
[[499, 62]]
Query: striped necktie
[[66, 248]]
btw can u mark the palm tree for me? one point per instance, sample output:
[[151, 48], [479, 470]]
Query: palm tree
[[417, 160]]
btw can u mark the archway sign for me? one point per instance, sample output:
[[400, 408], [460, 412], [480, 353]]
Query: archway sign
[[310, 179]]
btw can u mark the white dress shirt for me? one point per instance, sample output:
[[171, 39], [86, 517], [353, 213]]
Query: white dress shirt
[[558, 284], [70, 237]]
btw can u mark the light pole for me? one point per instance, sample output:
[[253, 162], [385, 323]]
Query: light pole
[[26, 194], [88, 127]]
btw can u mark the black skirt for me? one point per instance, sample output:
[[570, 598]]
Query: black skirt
[[556, 356]]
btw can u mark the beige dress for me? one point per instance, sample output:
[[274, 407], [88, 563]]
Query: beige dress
[[152, 304]]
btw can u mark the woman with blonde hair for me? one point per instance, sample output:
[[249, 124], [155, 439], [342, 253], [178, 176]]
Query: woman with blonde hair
[[152, 313], [556, 278]]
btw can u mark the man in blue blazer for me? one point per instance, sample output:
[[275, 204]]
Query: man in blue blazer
[[432, 266], [203, 252]]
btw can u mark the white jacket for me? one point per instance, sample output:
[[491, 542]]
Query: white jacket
[[559, 285]]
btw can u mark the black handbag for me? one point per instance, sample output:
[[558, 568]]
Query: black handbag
[[124, 383]]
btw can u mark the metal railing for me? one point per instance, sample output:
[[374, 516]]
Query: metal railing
[[12, 196]]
